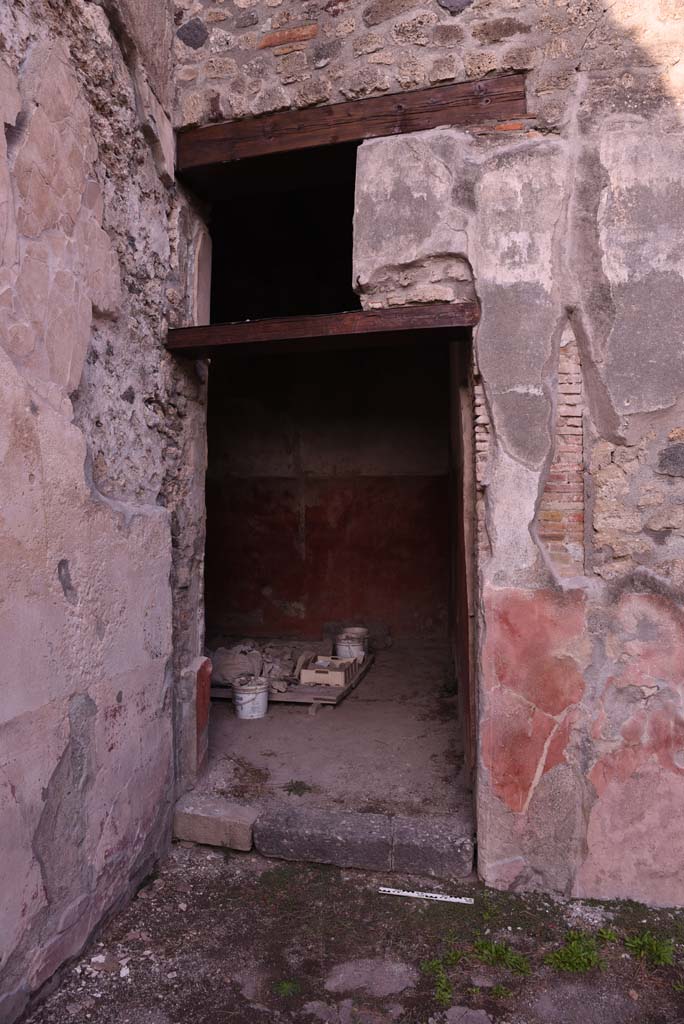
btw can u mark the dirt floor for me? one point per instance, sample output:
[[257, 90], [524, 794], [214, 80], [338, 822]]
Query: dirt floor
[[392, 746], [222, 938]]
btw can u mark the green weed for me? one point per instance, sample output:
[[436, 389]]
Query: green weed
[[579, 954], [500, 992], [607, 935], [442, 991], [287, 988], [499, 954], [296, 787], [647, 946]]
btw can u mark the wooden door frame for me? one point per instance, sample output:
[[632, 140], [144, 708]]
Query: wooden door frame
[[463, 552]]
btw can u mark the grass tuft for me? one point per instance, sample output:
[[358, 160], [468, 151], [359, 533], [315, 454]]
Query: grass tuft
[[647, 946], [500, 954], [578, 955]]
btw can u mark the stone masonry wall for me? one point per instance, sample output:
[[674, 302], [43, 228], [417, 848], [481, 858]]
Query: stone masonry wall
[[101, 452], [567, 227]]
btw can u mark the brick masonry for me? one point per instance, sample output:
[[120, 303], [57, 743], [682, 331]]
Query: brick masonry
[[560, 520]]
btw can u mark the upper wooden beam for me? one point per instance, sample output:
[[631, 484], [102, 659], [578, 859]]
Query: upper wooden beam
[[274, 333], [491, 99]]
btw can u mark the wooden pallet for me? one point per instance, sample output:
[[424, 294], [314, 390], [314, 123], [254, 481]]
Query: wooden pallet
[[297, 694]]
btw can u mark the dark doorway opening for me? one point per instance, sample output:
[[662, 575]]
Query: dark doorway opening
[[333, 494], [281, 230], [328, 492]]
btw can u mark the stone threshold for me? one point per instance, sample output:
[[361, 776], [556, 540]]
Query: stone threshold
[[438, 846]]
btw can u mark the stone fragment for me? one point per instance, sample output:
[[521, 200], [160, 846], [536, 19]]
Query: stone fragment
[[212, 821], [443, 70], [454, 6], [410, 72], [327, 837], [671, 460], [478, 64], [246, 19], [325, 52], [313, 92], [294, 67], [495, 30], [220, 67], [441, 847], [364, 83], [382, 10], [447, 35], [194, 33], [368, 43], [464, 1014], [415, 31], [374, 975]]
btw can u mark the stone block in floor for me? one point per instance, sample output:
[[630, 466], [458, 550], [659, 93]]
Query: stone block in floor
[[440, 846], [349, 840], [214, 822]]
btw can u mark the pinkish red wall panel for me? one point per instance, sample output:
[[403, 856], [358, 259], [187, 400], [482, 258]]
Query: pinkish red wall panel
[[292, 555]]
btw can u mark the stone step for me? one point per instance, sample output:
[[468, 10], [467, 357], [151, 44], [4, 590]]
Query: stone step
[[434, 846], [212, 821]]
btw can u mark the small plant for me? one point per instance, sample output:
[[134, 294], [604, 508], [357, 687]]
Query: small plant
[[578, 955], [678, 986], [287, 988], [500, 992], [452, 958], [443, 991], [647, 946], [489, 912], [499, 954], [607, 935], [296, 787]]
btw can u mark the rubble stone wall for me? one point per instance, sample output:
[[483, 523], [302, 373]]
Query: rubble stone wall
[[570, 237], [101, 448]]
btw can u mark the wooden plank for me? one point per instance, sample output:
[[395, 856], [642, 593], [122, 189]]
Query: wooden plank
[[500, 98], [195, 341], [306, 694], [322, 694]]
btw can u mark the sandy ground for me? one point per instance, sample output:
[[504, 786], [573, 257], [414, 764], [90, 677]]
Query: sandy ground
[[222, 938], [392, 746]]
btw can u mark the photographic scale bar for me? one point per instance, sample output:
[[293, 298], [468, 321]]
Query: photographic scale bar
[[426, 895]]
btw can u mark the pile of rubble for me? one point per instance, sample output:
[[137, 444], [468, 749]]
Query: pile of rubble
[[279, 663]]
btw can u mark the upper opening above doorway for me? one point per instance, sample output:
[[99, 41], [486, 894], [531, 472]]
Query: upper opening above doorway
[[282, 235]]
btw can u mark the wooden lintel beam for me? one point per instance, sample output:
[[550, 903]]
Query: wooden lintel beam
[[263, 334], [499, 98]]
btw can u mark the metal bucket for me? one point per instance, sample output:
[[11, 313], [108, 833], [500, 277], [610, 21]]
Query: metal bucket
[[352, 643], [251, 699]]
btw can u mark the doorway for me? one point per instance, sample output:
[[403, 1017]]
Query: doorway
[[333, 499]]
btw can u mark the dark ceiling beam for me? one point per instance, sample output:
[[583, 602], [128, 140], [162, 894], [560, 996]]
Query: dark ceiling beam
[[278, 332], [500, 98]]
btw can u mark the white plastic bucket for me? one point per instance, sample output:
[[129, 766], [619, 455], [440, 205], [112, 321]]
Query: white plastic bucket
[[251, 699], [352, 643]]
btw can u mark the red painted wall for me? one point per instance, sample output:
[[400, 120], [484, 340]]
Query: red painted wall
[[327, 492]]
